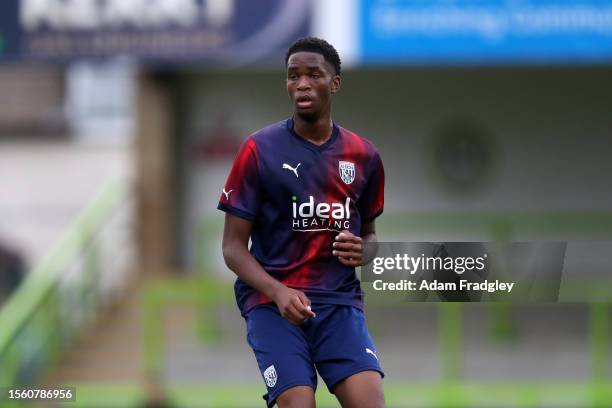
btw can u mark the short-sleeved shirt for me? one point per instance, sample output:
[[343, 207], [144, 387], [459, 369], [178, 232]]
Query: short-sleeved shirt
[[299, 196]]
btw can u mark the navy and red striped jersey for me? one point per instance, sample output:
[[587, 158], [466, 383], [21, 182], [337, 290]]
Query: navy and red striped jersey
[[299, 196]]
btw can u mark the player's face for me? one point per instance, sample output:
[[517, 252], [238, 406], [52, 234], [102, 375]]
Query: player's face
[[310, 83]]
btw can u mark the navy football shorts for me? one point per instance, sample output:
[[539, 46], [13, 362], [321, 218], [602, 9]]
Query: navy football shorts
[[336, 342]]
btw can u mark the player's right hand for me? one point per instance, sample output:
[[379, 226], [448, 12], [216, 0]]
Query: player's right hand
[[293, 305]]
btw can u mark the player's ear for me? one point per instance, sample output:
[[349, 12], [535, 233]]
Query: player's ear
[[335, 85]]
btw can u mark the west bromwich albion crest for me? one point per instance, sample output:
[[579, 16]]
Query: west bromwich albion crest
[[270, 376], [347, 171]]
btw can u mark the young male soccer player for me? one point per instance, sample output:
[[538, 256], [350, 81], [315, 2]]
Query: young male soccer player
[[306, 192]]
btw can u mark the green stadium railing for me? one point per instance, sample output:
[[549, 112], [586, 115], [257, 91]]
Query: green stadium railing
[[450, 391], [45, 314]]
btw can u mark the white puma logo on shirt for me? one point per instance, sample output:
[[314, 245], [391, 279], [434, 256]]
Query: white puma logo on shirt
[[288, 167], [371, 352]]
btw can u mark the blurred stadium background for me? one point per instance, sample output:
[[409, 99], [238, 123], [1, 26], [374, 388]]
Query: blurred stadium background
[[119, 121]]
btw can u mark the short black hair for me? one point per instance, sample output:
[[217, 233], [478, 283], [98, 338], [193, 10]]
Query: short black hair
[[318, 45]]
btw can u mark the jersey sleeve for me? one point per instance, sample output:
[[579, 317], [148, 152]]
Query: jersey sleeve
[[372, 200], [241, 194]]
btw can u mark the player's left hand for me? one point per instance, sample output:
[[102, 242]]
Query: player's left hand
[[348, 248]]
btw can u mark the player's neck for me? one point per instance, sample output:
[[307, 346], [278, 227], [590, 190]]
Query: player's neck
[[317, 132]]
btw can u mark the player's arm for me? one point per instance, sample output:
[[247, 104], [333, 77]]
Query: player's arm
[[292, 304], [352, 250]]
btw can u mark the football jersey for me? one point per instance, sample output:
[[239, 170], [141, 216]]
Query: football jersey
[[299, 196]]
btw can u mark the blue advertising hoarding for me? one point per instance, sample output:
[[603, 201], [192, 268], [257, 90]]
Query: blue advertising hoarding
[[220, 31], [441, 32]]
